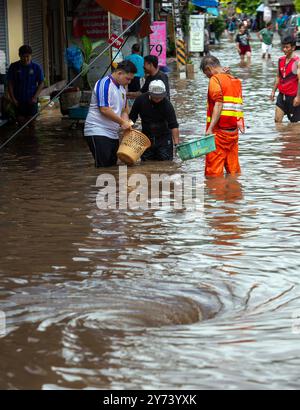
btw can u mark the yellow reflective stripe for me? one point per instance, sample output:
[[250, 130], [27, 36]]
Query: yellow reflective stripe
[[233, 100], [232, 107], [237, 114]]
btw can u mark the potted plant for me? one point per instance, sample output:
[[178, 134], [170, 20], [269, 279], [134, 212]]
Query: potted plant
[[190, 68], [88, 50], [78, 58]]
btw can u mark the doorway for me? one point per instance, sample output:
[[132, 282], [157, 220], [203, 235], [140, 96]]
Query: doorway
[[56, 40]]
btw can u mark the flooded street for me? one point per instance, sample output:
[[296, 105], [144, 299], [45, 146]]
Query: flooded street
[[154, 299]]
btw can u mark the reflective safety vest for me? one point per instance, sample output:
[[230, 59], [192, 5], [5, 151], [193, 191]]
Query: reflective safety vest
[[288, 79], [232, 116]]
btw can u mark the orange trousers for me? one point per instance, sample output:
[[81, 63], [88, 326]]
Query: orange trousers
[[226, 156]]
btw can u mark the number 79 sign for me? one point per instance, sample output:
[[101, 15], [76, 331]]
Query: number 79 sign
[[158, 42]]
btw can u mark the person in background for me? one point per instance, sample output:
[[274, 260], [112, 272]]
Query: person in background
[[25, 83], [225, 118], [280, 24], [159, 122], [266, 37], [138, 61], [288, 83], [243, 44], [206, 41], [232, 27], [153, 73], [108, 114], [255, 25]]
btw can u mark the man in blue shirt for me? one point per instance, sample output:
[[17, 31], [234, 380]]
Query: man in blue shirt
[[25, 83], [138, 61]]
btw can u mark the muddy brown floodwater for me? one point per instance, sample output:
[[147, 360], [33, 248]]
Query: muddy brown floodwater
[[153, 299]]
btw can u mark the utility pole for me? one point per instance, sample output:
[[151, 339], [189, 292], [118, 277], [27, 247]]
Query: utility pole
[[145, 40], [180, 43], [152, 10]]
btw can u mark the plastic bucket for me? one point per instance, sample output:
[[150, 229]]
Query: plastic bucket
[[69, 98], [196, 148], [44, 101], [79, 113], [133, 145]]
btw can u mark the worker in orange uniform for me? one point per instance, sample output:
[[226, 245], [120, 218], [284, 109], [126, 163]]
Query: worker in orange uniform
[[225, 118]]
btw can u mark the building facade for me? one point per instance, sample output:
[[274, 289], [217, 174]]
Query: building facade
[[49, 27], [40, 24]]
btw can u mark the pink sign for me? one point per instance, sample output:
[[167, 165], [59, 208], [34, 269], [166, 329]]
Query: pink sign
[[158, 41], [90, 20]]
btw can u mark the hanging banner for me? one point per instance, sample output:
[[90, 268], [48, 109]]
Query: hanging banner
[[197, 27], [267, 14], [116, 27], [90, 20], [158, 42]]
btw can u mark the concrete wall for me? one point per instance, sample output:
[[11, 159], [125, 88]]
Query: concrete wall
[[15, 28]]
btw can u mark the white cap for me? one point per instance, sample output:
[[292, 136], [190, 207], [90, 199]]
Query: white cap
[[157, 88]]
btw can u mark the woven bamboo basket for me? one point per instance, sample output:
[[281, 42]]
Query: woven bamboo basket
[[133, 146]]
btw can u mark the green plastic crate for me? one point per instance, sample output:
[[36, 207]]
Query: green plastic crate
[[196, 148]]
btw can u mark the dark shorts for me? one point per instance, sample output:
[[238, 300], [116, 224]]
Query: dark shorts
[[135, 85], [285, 103], [245, 50], [104, 150], [26, 110], [161, 149]]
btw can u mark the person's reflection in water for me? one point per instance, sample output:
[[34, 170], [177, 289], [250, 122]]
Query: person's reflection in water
[[26, 150], [290, 153], [225, 222]]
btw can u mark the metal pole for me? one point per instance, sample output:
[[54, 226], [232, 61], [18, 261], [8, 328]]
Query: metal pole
[[152, 10], [145, 39], [109, 34]]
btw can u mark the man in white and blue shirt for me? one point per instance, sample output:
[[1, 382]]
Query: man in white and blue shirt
[[108, 114]]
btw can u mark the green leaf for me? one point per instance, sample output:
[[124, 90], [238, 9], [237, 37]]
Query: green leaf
[[97, 44], [248, 6], [85, 69], [87, 47]]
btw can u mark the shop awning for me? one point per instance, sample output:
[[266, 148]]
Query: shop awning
[[214, 11], [128, 11], [206, 3]]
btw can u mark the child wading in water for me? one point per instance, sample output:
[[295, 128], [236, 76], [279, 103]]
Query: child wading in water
[[266, 37], [242, 41]]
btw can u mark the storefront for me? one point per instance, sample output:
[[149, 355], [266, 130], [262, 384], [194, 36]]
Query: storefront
[[4, 58], [3, 50], [33, 28], [283, 6], [44, 30], [88, 18]]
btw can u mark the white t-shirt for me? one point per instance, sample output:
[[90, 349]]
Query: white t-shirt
[[107, 93]]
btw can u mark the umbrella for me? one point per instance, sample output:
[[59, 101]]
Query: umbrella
[[261, 8], [213, 11], [205, 3]]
